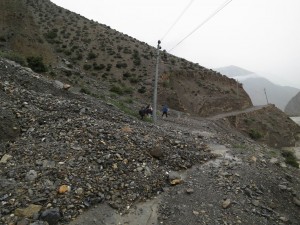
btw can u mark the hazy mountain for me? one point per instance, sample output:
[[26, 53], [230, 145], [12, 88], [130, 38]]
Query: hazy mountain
[[260, 89], [233, 71], [293, 106]]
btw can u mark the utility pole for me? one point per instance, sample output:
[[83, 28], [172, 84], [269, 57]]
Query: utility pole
[[266, 96], [155, 83], [237, 88]]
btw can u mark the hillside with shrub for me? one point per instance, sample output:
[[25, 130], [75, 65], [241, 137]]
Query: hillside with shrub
[[100, 61]]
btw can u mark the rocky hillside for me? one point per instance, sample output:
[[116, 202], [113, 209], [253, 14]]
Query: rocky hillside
[[293, 106], [62, 153], [265, 124], [95, 59]]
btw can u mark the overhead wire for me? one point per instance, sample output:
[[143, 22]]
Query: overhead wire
[[178, 18], [204, 22]]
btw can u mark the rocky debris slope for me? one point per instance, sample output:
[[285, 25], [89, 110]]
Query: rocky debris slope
[[247, 183], [238, 188], [61, 153]]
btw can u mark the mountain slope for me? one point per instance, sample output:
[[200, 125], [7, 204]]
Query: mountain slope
[[293, 106], [233, 71], [262, 90], [100, 61]]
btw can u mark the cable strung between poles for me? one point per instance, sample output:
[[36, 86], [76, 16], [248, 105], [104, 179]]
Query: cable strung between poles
[[176, 21], [205, 21]]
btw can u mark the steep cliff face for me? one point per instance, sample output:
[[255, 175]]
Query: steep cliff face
[[293, 106], [203, 93]]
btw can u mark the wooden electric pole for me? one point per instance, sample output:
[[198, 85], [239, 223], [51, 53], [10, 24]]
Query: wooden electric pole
[[155, 83], [266, 96]]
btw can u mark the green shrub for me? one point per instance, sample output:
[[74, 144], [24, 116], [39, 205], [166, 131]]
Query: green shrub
[[51, 35], [290, 158], [136, 58], [36, 64], [121, 65], [126, 75], [120, 90], [117, 89], [254, 134], [142, 90], [87, 66], [91, 55], [85, 91], [98, 67], [134, 80], [108, 67]]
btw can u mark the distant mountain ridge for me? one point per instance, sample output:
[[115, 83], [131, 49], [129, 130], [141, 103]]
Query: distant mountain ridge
[[261, 90], [233, 71]]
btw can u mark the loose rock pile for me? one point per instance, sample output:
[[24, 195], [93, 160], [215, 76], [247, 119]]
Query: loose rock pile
[[61, 152]]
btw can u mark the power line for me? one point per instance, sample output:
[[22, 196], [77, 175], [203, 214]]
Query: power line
[[205, 21], [176, 21]]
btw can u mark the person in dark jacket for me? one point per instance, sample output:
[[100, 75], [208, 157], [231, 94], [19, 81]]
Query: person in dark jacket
[[165, 110]]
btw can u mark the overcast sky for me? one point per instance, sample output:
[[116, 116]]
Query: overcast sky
[[262, 36]]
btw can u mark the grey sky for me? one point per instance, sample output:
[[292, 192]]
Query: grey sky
[[262, 36]]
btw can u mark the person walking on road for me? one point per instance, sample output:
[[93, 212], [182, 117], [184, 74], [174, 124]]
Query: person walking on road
[[165, 110]]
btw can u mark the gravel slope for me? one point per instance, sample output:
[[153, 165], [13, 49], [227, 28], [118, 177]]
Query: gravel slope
[[62, 154]]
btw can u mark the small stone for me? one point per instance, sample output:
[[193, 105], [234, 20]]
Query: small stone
[[176, 181], [31, 175], [79, 191], [274, 160], [29, 211], [253, 159], [189, 190], [5, 158], [196, 213], [23, 222], [66, 86], [156, 153], [255, 202], [63, 189], [52, 216], [296, 201], [226, 203], [115, 166], [283, 165], [284, 219], [282, 187]]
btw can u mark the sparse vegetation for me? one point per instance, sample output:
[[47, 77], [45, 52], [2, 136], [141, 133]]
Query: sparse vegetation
[[290, 158], [36, 64], [136, 58], [51, 35], [254, 134], [13, 57], [142, 90], [87, 66], [85, 91], [121, 89], [91, 55]]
